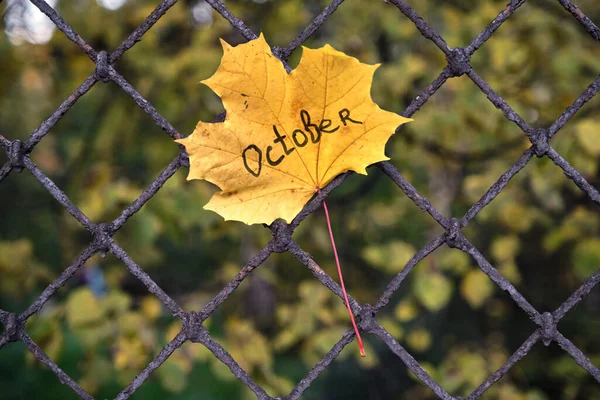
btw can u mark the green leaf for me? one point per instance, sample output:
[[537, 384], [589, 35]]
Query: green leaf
[[476, 288], [173, 376], [586, 257], [505, 248], [83, 308], [406, 310], [390, 257], [419, 339], [433, 290], [588, 135]]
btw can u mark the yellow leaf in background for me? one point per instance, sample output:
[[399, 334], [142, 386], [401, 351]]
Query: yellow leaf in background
[[406, 310], [516, 216], [275, 383], [390, 257], [510, 271], [47, 333], [151, 307], [392, 327], [321, 341], [586, 257], [286, 136], [129, 353], [173, 330], [505, 248], [476, 288], [286, 339], [433, 290], [247, 345], [454, 261], [473, 367], [221, 371], [131, 323], [581, 222], [173, 374], [83, 308], [419, 339], [588, 134], [98, 371], [116, 302], [14, 255]]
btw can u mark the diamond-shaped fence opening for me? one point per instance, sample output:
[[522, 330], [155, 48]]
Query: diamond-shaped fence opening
[[193, 329], [529, 72]]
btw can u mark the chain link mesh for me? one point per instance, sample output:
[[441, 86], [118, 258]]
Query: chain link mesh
[[458, 64]]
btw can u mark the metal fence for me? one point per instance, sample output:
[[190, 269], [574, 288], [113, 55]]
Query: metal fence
[[458, 64]]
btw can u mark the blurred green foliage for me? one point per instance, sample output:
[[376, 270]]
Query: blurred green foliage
[[542, 233]]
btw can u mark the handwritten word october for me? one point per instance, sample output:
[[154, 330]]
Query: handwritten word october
[[312, 132]]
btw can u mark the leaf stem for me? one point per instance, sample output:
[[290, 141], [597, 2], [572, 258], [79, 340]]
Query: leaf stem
[[339, 269]]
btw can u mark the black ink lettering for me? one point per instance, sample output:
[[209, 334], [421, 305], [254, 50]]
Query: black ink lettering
[[345, 116], [271, 162], [299, 138], [305, 117], [326, 123], [295, 139], [257, 150], [280, 139]]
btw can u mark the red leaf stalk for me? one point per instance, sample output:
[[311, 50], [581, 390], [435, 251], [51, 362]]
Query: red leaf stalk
[[339, 269]]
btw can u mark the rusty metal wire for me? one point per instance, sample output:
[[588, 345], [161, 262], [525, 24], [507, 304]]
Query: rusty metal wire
[[458, 64]]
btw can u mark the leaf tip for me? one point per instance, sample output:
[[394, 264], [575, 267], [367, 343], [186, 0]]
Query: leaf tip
[[206, 81], [263, 42], [226, 46]]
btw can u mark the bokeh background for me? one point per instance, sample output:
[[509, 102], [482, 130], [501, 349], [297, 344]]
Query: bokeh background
[[103, 327]]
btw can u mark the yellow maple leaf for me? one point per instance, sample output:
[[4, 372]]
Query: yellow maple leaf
[[286, 136]]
